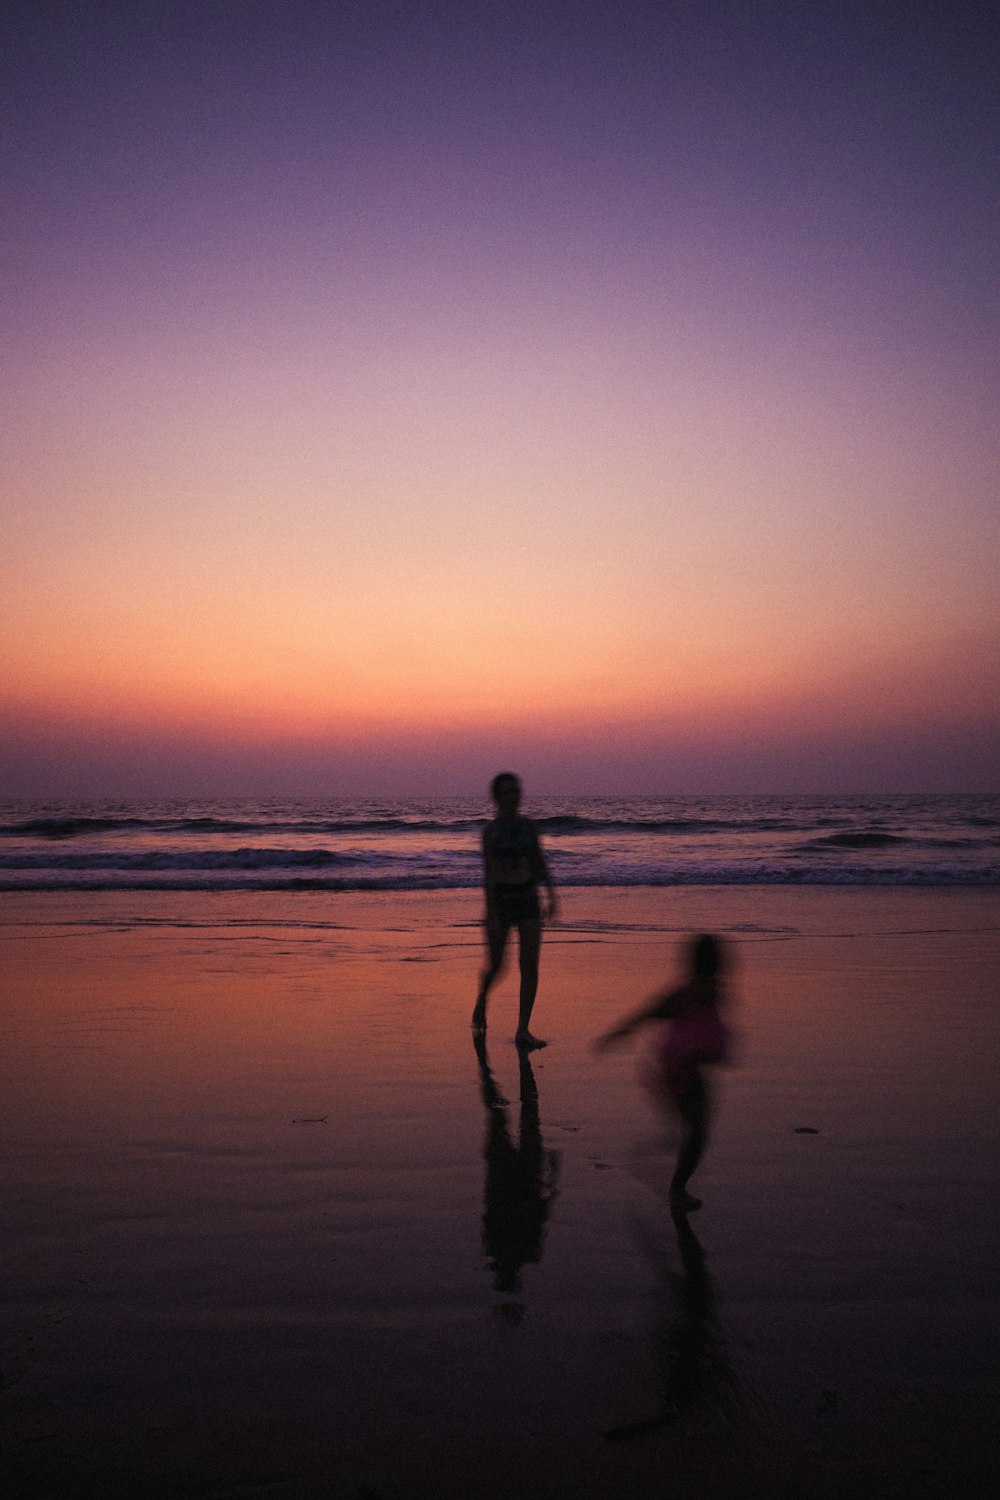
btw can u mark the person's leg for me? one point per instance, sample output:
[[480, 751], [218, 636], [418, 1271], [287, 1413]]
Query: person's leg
[[693, 1107], [530, 941], [496, 938]]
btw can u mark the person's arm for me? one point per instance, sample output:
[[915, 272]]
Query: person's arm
[[662, 1007], [540, 870]]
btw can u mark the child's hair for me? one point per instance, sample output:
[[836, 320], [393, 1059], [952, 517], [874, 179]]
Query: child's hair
[[503, 779], [706, 959]]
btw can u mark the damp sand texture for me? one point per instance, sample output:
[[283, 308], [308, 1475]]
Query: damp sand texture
[[273, 1225]]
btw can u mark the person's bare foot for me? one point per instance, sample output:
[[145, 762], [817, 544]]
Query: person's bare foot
[[526, 1040]]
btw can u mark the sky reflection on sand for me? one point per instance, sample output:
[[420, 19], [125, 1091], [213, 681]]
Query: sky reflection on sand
[[262, 1156]]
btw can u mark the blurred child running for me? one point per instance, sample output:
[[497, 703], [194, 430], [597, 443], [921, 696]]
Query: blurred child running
[[695, 1039]]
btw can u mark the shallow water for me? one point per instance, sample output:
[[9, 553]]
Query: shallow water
[[433, 844]]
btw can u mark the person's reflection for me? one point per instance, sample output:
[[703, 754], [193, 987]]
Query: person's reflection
[[520, 1182], [691, 1369], [692, 1372]]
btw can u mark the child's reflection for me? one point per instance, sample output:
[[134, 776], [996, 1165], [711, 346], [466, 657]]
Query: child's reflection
[[692, 1369], [520, 1181], [693, 1374]]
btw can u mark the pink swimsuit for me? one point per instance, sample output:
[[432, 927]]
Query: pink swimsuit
[[684, 1047]]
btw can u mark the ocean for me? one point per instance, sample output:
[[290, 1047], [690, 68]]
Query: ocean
[[433, 844]]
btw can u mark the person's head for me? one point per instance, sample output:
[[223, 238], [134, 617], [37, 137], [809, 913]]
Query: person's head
[[505, 789], [706, 958]]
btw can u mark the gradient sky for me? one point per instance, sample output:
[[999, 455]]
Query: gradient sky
[[395, 391]]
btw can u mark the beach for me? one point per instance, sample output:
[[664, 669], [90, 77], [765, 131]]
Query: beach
[[273, 1226]]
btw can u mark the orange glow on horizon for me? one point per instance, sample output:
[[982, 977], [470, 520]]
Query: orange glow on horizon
[[819, 690]]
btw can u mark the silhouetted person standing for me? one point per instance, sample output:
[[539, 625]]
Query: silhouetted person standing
[[513, 868]]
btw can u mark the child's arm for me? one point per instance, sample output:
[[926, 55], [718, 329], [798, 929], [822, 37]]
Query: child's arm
[[662, 1007]]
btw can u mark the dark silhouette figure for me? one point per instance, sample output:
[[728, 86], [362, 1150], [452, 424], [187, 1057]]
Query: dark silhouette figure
[[696, 1038], [520, 1180], [513, 868]]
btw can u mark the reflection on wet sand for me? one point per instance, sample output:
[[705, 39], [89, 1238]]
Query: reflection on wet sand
[[693, 1375], [693, 1369], [520, 1182]]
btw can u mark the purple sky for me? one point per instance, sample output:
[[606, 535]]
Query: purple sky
[[390, 387]]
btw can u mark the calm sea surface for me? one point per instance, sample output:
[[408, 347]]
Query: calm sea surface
[[433, 844]]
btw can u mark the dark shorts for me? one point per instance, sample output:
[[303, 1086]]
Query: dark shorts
[[516, 904]]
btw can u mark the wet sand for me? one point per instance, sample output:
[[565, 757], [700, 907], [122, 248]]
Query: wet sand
[[273, 1227]]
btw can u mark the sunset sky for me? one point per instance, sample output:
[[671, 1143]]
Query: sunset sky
[[394, 391]]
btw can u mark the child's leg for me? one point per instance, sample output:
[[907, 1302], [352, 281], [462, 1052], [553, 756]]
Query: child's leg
[[693, 1107]]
